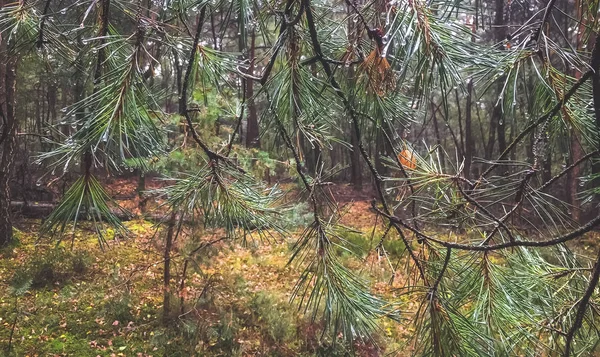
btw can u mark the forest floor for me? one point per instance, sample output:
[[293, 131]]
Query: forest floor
[[85, 300]]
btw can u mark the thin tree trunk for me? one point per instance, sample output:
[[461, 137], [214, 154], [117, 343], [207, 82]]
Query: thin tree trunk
[[576, 151], [496, 122], [469, 144], [436, 129], [460, 126], [595, 64], [252, 130], [167, 267], [355, 159]]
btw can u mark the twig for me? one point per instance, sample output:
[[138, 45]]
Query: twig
[[484, 248], [583, 304], [587, 75]]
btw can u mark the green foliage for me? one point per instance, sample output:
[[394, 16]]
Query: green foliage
[[274, 317], [86, 197]]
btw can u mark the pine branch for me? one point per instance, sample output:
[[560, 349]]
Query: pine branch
[[354, 116], [583, 305], [549, 115], [588, 227]]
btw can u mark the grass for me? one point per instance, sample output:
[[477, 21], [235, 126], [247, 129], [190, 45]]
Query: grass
[[80, 300]]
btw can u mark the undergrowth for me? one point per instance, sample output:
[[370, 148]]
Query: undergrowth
[[84, 301]]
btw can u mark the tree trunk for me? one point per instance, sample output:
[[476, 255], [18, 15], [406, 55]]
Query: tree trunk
[[497, 122], [355, 159], [167, 268], [8, 81], [573, 176], [355, 162], [252, 132], [438, 137], [595, 64], [469, 144]]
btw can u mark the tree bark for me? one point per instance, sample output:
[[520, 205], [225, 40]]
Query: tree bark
[[167, 268], [8, 81], [252, 130], [469, 144]]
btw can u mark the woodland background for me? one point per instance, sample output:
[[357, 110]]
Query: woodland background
[[299, 177]]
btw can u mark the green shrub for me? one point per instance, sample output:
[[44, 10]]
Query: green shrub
[[298, 215], [353, 243], [276, 322], [224, 334], [394, 246]]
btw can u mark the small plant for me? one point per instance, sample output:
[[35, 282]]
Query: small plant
[[353, 243], [299, 215], [224, 334], [275, 321]]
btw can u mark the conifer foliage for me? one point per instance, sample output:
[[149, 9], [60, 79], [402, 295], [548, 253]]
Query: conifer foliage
[[417, 92]]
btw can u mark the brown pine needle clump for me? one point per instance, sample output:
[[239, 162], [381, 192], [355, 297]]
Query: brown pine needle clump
[[377, 71]]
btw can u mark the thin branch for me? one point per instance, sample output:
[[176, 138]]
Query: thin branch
[[583, 304], [433, 289], [484, 248], [549, 115], [282, 30], [567, 169]]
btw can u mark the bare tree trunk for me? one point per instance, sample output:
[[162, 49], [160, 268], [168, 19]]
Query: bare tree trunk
[[252, 130], [8, 81], [436, 129], [167, 267], [497, 123], [469, 144]]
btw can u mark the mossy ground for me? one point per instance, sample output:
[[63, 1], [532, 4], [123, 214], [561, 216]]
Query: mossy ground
[[88, 301]]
